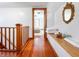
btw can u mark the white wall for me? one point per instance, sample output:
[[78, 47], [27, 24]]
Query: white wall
[[52, 8], [11, 16], [72, 28], [18, 12]]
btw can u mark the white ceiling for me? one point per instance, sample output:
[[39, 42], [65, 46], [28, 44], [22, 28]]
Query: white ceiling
[[22, 4]]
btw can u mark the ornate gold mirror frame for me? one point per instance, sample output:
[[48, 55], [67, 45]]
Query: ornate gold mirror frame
[[68, 6]]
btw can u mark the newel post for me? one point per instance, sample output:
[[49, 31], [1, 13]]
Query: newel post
[[19, 37]]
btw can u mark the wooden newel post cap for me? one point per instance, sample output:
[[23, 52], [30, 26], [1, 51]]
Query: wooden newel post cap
[[18, 24]]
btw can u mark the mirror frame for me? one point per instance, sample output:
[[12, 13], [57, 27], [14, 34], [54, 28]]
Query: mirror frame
[[69, 6]]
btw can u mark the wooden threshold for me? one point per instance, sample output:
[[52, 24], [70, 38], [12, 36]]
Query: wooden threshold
[[8, 50]]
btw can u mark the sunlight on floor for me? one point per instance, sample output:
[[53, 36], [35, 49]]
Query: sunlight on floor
[[38, 45]]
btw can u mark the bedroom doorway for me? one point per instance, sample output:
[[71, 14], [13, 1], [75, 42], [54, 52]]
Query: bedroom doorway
[[39, 21]]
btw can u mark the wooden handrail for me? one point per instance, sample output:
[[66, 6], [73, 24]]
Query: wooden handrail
[[7, 27]]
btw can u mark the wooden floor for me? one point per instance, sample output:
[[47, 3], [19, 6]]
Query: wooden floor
[[38, 47]]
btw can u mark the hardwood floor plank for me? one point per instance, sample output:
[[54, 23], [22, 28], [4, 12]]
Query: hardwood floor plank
[[38, 47]]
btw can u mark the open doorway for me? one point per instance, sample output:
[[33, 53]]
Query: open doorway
[[39, 22]]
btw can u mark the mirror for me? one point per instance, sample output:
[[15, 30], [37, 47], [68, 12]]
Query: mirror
[[68, 13]]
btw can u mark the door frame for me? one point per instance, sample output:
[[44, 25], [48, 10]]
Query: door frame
[[45, 20]]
